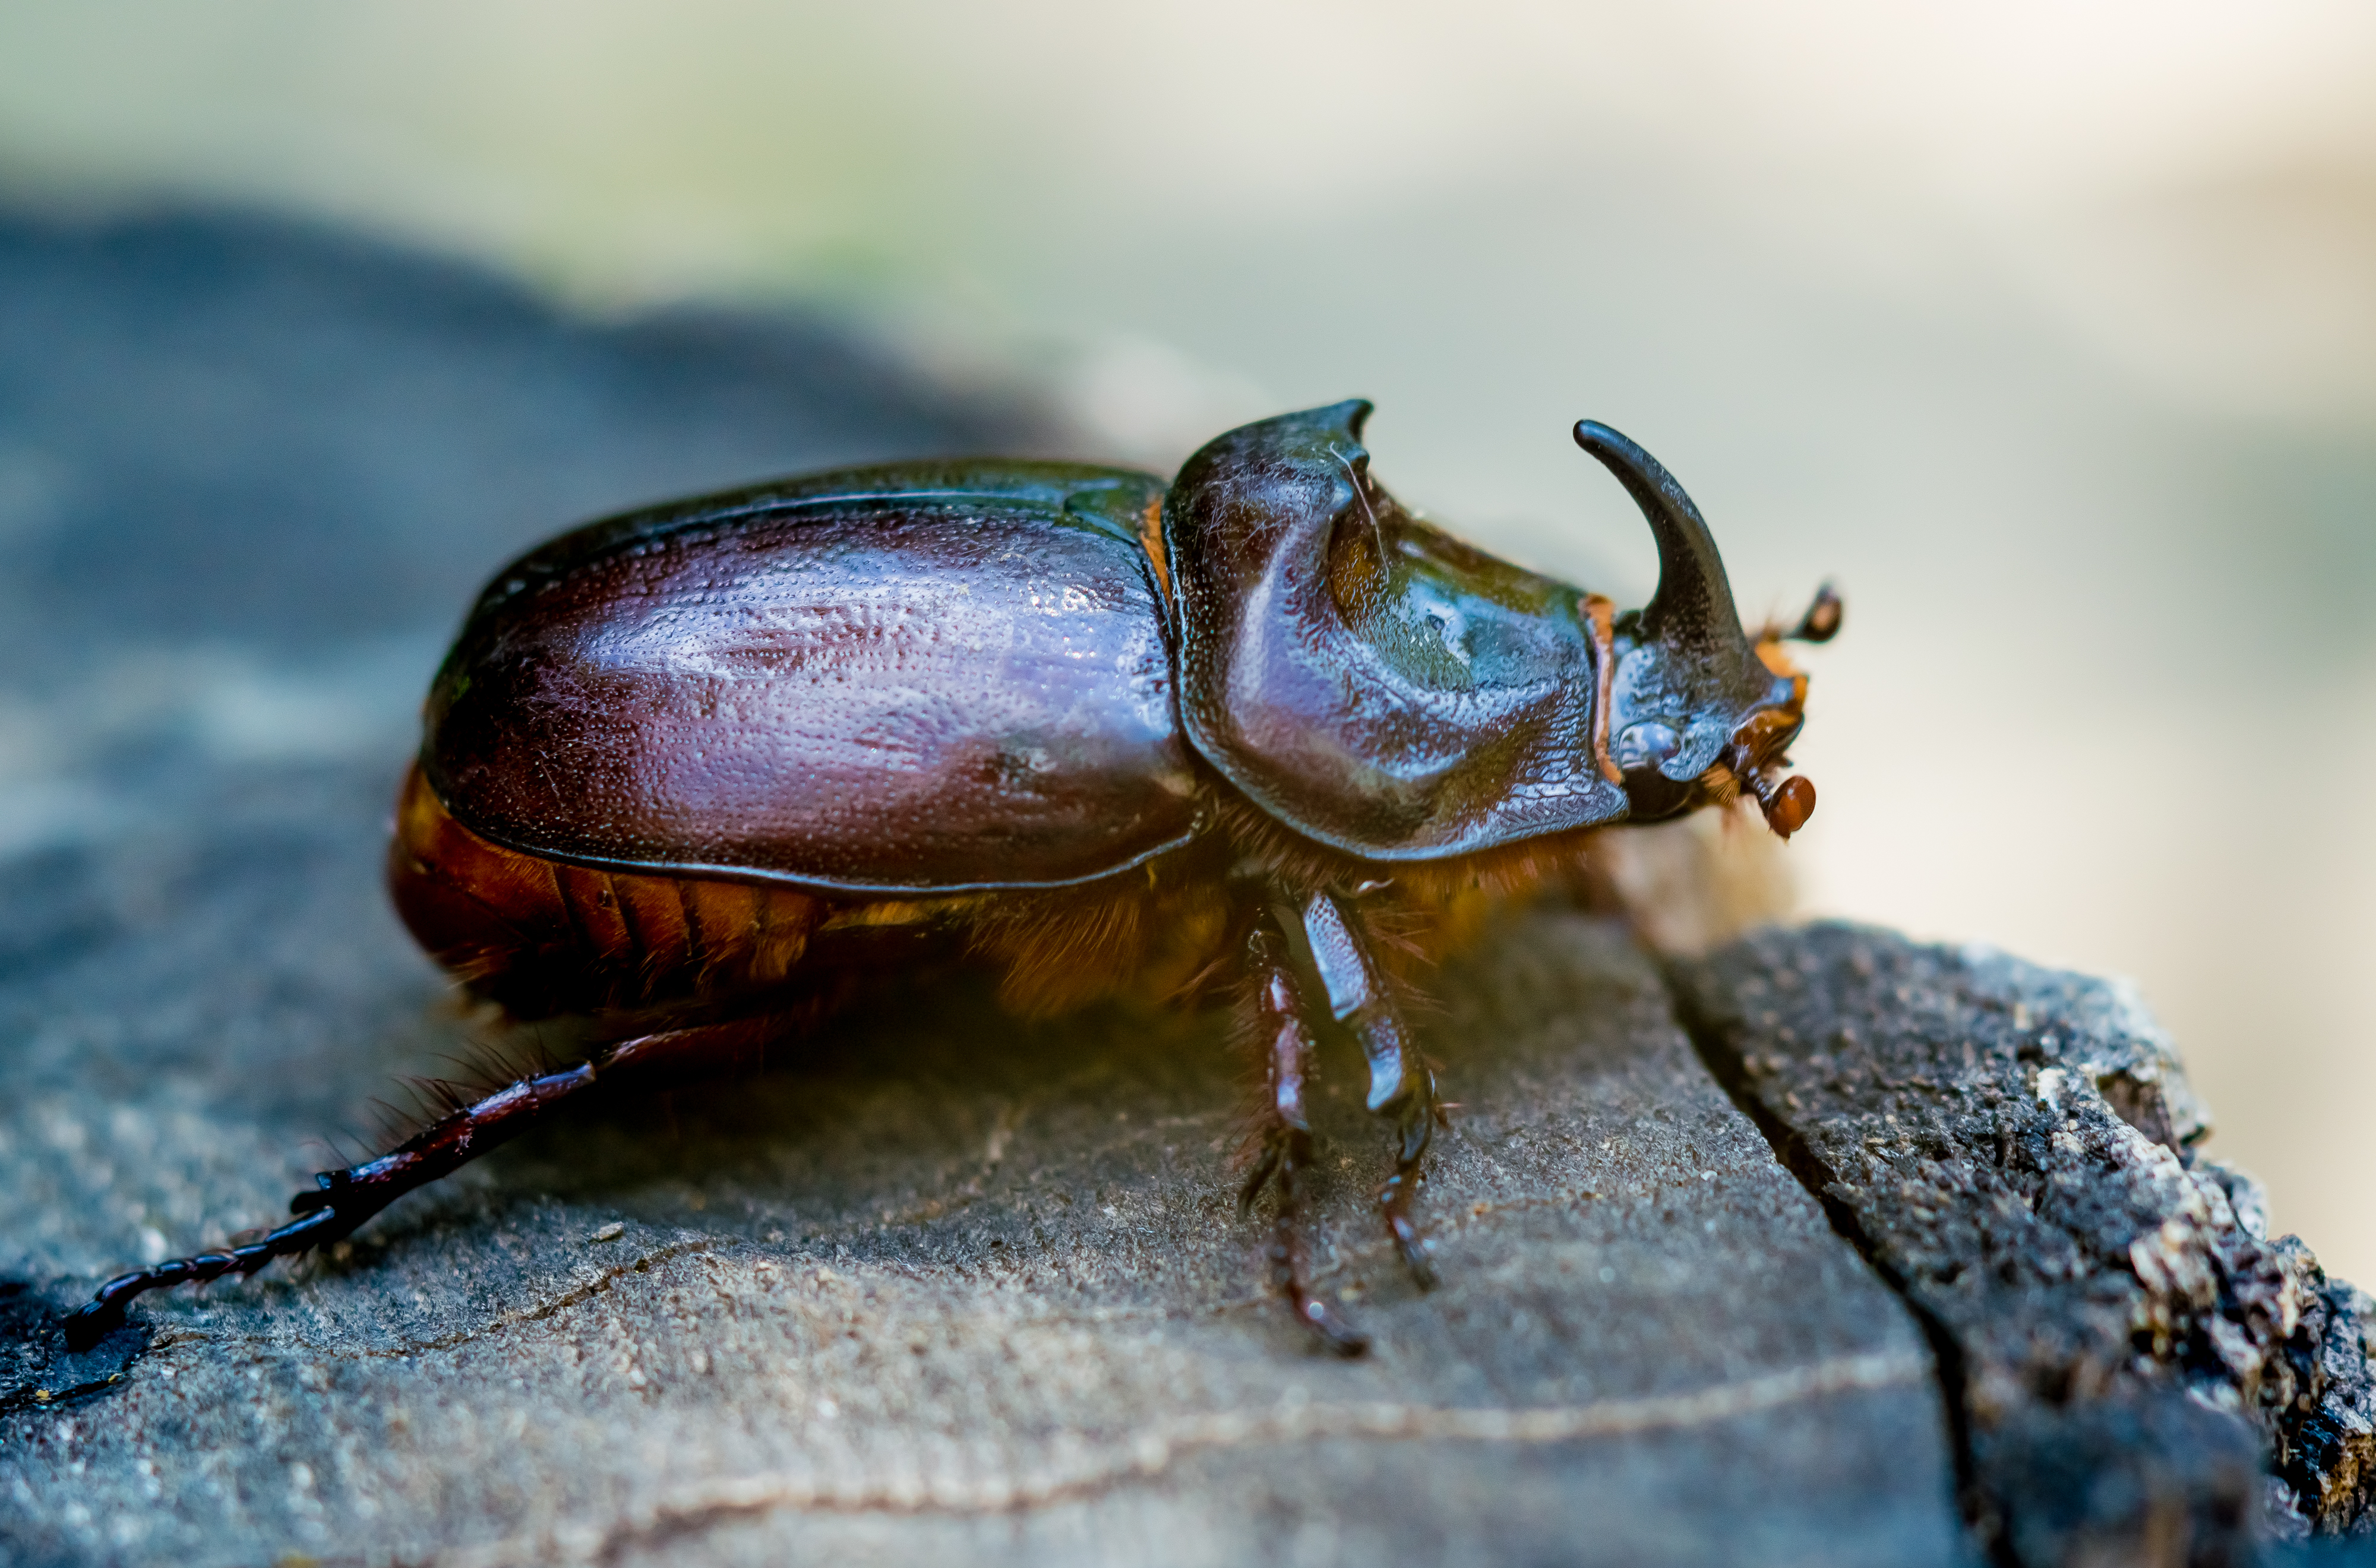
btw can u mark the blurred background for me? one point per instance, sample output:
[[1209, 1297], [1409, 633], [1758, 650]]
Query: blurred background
[[2048, 331]]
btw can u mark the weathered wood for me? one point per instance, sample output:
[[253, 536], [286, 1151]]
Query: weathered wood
[[946, 1288], [952, 1288], [2015, 1149], [942, 1288]]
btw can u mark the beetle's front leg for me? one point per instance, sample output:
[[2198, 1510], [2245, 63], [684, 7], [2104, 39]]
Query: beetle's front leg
[[1275, 1024], [1401, 1086]]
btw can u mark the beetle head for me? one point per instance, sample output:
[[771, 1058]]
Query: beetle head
[[1699, 712]]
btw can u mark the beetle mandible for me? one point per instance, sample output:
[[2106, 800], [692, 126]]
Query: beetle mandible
[[690, 774]]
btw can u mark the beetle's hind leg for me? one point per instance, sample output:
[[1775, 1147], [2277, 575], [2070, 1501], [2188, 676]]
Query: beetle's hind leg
[[1274, 1023], [344, 1199], [1401, 1086]]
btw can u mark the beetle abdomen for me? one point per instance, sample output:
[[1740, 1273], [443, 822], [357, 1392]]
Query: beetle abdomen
[[871, 695], [544, 938]]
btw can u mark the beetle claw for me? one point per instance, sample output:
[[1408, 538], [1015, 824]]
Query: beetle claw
[[1340, 1337], [91, 1322], [1411, 1246], [1410, 1243]]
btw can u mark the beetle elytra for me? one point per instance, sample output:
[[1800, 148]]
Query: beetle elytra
[[691, 775]]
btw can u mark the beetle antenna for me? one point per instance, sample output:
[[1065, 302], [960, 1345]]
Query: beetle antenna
[[1821, 623]]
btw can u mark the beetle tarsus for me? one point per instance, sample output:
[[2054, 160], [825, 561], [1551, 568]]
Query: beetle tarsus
[[1285, 1159], [1291, 1269], [1401, 1086], [104, 1313], [1410, 1244], [1275, 1022], [342, 1200], [1291, 1262], [1417, 1125]]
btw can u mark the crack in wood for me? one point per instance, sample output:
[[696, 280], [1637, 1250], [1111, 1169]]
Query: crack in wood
[[691, 1511]]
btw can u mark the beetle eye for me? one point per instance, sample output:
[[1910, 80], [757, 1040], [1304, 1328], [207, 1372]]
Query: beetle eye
[[1647, 744]]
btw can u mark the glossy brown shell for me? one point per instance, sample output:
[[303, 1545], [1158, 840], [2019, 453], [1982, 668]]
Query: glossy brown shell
[[1367, 679], [930, 677]]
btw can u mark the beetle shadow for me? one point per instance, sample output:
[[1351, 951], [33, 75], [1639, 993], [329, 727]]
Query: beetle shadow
[[918, 1090], [38, 1372], [925, 1127], [912, 1101]]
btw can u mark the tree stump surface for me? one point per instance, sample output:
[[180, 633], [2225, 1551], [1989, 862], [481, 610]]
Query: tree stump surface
[[1826, 1248]]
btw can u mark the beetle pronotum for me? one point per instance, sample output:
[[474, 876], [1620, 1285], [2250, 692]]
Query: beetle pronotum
[[688, 775]]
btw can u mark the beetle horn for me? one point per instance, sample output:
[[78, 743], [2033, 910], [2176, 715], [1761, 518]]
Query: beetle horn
[[1693, 604]]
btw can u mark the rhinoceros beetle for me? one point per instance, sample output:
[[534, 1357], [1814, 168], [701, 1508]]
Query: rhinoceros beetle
[[689, 776]]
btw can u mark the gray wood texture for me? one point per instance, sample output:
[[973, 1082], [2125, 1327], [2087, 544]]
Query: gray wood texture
[[2013, 1149], [943, 1288]]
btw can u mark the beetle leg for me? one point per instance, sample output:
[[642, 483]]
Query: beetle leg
[[1277, 1025], [1401, 1084], [344, 1199]]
